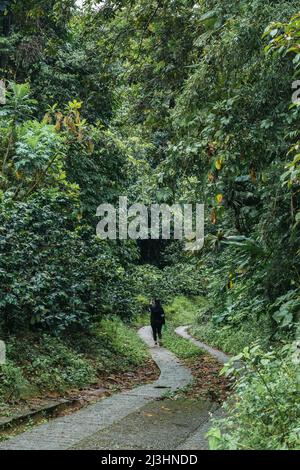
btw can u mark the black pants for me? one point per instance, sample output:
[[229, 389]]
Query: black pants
[[156, 329]]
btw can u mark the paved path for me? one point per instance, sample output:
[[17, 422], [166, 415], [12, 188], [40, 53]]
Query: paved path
[[136, 419], [219, 355], [65, 432], [197, 440], [159, 425]]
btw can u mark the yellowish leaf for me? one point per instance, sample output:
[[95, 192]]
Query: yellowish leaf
[[218, 164], [90, 146]]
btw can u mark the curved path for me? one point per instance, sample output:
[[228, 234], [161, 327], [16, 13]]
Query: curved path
[[219, 355], [69, 431], [136, 419]]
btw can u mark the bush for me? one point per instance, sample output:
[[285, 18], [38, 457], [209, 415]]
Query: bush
[[49, 365], [232, 339], [39, 364], [125, 342], [12, 382], [264, 412], [55, 273], [182, 310], [165, 284], [236, 313], [184, 279]]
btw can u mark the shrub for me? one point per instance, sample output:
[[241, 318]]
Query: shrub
[[182, 310], [264, 412], [48, 364], [55, 273], [12, 382], [233, 339], [125, 342]]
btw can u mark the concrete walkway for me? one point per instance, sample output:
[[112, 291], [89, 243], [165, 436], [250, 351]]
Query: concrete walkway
[[137, 419], [68, 431], [219, 355]]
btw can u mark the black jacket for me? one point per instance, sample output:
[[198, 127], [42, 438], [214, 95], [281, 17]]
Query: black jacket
[[157, 314]]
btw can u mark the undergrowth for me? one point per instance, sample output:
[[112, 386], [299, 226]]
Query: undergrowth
[[181, 347], [232, 339], [264, 413], [40, 364]]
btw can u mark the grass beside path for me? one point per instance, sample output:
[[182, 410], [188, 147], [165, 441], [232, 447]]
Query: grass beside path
[[232, 339], [183, 310], [181, 347], [41, 365]]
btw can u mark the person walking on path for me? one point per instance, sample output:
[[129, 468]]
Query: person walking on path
[[157, 319]]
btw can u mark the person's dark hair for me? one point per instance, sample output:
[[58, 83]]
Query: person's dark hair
[[157, 302]]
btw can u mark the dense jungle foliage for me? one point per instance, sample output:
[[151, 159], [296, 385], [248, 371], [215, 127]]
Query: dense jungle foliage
[[162, 101]]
